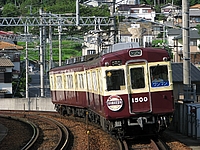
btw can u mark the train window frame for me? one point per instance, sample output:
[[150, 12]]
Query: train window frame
[[89, 85], [59, 83], [80, 81], [144, 65], [52, 82], [137, 81], [159, 75], [69, 81], [99, 72], [94, 80], [109, 81]]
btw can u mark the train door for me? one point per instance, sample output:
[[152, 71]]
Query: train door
[[139, 90]]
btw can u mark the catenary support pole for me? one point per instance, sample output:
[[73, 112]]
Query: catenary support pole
[[27, 64], [41, 58]]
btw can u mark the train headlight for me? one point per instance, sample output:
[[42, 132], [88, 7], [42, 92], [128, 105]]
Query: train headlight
[[106, 64], [165, 58]]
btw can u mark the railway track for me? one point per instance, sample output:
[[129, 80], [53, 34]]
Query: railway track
[[143, 144], [47, 132], [84, 135], [34, 130], [80, 136]]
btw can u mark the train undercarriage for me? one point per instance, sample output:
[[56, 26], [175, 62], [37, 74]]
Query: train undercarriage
[[121, 128]]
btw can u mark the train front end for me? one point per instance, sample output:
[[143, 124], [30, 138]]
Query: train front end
[[139, 90]]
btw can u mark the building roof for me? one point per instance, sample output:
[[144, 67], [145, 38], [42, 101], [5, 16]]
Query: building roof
[[193, 35], [4, 62], [169, 4], [127, 7], [192, 13], [195, 6], [9, 46], [172, 32], [177, 73]]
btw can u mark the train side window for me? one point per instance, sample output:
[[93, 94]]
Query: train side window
[[159, 76], [94, 79], [59, 82], [115, 79], [69, 81], [80, 81], [137, 78], [89, 81], [52, 82]]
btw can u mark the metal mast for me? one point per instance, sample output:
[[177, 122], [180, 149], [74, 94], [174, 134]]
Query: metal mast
[[27, 63], [41, 58]]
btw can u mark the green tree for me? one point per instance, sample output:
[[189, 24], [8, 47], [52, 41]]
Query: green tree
[[10, 10], [19, 86]]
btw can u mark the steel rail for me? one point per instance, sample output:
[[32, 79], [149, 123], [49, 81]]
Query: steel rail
[[35, 129], [162, 145], [122, 144], [64, 139], [33, 138]]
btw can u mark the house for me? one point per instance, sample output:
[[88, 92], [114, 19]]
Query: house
[[11, 51], [95, 41], [194, 16], [169, 10], [6, 77], [137, 11], [132, 2], [96, 3], [175, 46], [177, 75], [194, 49], [140, 32]]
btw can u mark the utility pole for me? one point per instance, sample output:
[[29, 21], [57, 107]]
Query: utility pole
[[77, 13], [50, 47], [186, 51], [113, 28], [41, 57], [60, 43], [27, 64]]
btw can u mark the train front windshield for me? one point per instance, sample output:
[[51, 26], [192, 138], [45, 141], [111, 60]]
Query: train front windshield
[[137, 78], [115, 79], [159, 76]]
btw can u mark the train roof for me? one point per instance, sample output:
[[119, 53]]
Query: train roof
[[122, 52]]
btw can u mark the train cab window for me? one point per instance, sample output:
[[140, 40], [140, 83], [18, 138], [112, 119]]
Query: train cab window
[[115, 79], [159, 76], [137, 78]]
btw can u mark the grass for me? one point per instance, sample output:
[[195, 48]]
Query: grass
[[68, 49]]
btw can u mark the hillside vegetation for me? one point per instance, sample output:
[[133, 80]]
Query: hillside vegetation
[[13, 8]]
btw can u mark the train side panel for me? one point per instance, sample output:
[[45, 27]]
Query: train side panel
[[129, 87]]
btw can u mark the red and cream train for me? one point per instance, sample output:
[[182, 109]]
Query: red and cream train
[[125, 89]]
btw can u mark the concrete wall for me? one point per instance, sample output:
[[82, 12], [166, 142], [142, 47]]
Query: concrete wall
[[35, 103]]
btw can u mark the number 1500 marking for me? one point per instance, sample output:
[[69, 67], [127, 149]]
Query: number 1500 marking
[[139, 99]]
